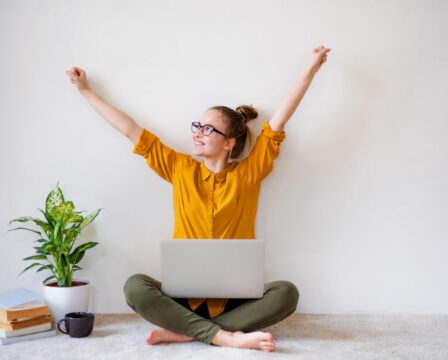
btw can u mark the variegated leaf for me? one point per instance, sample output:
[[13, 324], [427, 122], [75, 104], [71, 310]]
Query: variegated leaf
[[54, 198], [89, 218]]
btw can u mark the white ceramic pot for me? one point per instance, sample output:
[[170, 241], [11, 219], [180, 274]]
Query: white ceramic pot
[[64, 300]]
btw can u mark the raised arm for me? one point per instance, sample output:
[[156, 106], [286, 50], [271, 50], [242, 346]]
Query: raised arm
[[119, 120], [292, 100]]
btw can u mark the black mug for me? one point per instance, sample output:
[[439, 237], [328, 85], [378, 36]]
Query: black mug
[[77, 324]]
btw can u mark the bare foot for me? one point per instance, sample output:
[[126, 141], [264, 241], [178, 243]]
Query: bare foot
[[166, 336], [258, 340]]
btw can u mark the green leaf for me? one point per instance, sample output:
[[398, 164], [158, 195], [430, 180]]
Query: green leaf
[[23, 228], [41, 241], [26, 219], [76, 259], [63, 211], [36, 257], [89, 218], [46, 248], [41, 223], [50, 267], [29, 267], [48, 216], [78, 253], [61, 282], [21, 219], [48, 278], [71, 234], [46, 227], [54, 198], [41, 251], [75, 219], [49, 246]]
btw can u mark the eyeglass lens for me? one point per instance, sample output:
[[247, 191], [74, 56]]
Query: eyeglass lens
[[205, 129]]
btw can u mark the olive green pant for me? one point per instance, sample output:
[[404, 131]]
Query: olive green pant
[[143, 294]]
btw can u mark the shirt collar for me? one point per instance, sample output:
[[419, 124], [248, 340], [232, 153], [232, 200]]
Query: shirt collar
[[206, 173]]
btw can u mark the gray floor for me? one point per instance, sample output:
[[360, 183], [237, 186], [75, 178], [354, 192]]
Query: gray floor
[[122, 336]]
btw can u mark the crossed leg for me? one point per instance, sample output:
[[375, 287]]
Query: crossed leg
[[179, 324]]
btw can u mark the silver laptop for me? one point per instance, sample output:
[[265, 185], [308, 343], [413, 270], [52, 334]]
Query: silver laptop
[[212, 268]]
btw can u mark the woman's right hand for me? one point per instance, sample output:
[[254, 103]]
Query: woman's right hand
[[78, 77], [319, 57]]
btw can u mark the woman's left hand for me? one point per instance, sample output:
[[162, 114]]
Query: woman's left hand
[[319, 57]]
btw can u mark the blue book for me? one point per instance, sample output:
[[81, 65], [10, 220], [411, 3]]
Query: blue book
[[20, 297]]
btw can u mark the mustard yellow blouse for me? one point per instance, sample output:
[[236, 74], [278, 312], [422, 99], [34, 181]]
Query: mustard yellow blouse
[[211, 205]]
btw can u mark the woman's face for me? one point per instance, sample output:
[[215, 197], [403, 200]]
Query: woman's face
[[214, 145]]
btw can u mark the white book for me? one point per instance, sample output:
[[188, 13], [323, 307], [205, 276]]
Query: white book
[[39, 335], [25, 331]]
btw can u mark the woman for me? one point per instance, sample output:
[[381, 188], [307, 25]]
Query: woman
[[214, 198]]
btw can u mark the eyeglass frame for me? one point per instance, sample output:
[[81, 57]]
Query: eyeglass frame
[[199, 126]]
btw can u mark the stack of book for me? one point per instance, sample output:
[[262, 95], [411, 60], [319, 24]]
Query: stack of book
[[23, 316]]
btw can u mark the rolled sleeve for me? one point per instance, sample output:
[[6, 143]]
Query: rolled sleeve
[[278, 136], [260, 161], [161, 158], [144, 143]]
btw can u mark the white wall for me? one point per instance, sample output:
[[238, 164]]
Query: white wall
[[355, 211]]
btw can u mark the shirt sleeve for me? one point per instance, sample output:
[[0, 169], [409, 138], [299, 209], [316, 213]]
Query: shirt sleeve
[[161, 158], [260, 161]]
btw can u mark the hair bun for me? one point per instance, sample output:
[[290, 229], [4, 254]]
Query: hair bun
[[248, 112]]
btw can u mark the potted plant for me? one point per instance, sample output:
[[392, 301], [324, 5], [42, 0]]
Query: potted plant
[[56, 253]]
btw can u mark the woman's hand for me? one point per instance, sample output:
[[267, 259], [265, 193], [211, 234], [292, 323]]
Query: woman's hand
[[78, 77], [319, 57]]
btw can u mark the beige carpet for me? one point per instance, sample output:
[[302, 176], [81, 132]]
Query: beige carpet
[[122, 336]]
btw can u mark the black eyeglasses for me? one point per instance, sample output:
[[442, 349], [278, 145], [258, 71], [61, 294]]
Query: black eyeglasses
[[205, 129]]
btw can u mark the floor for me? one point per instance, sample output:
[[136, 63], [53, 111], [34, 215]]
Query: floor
[[301, 336]]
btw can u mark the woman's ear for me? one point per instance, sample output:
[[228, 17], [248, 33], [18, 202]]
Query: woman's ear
[[229, 143]]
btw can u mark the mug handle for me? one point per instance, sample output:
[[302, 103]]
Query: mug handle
[[59, 326]]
